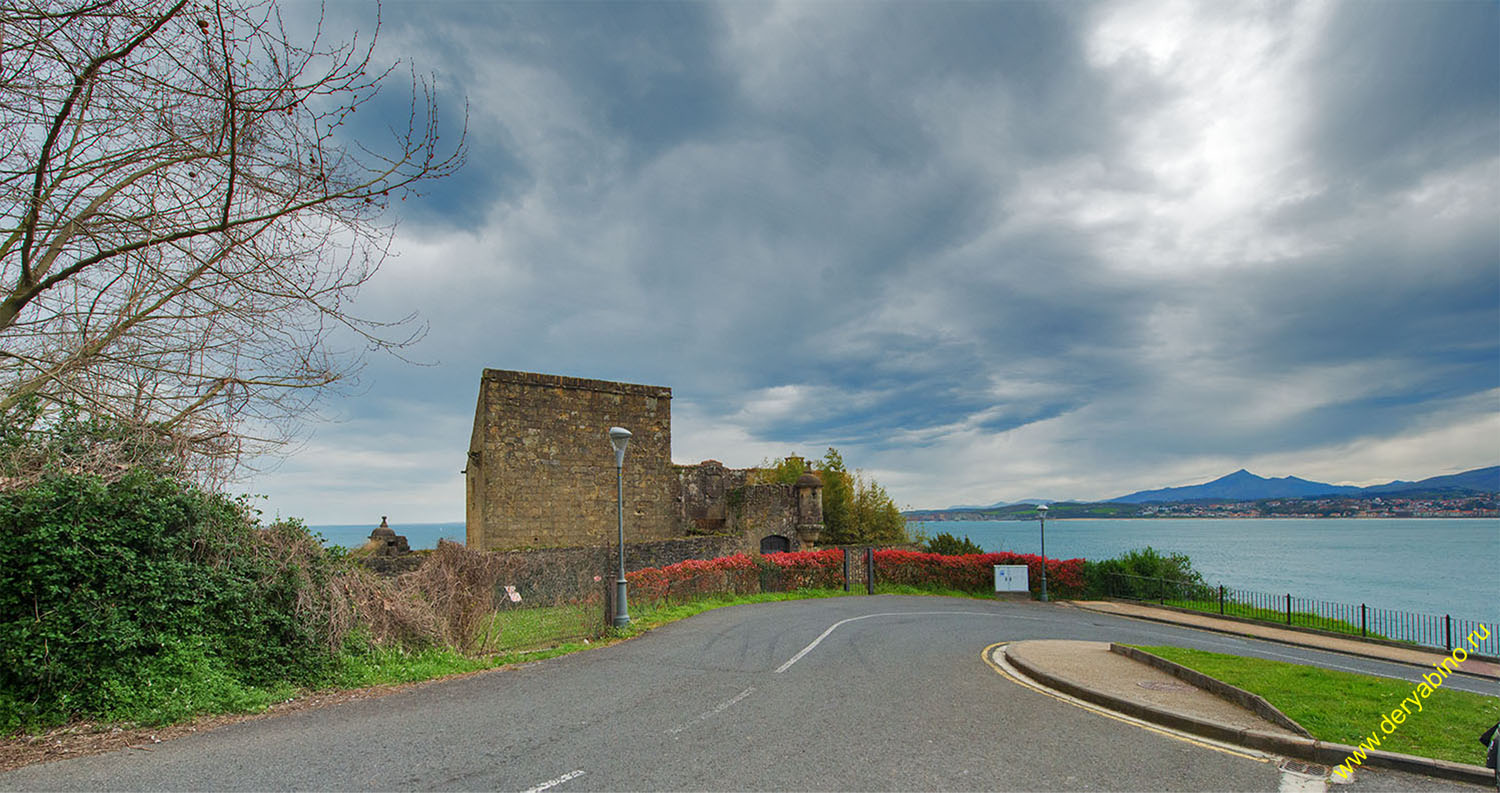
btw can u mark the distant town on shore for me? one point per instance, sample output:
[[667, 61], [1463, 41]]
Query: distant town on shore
[[1471, 494]]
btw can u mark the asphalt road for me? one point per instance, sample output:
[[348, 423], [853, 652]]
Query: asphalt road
[[859, 693]]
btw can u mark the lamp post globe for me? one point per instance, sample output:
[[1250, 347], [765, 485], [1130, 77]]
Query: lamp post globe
[[619, 437], [1041, 515]]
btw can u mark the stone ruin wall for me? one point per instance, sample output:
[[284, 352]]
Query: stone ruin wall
[[713, 499], [541, 471]]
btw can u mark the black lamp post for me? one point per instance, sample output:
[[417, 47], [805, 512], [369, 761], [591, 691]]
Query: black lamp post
[[1041, 514], [619, 437]]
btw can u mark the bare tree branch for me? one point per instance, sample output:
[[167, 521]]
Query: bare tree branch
[[187, 212]]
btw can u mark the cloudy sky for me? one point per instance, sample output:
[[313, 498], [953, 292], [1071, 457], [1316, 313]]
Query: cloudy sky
[[988, 250]]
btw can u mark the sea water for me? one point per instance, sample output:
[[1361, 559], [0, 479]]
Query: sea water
[[1426, 565], [418, 535]]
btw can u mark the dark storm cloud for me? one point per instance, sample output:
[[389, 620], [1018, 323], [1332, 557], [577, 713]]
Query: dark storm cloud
[[1404, 88], [958, 239]]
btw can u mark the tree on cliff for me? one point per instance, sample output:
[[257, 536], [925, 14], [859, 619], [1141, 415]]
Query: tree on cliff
[[186, 216]]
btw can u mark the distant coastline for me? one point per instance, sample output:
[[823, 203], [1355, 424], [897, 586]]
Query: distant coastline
[[1437, 506]]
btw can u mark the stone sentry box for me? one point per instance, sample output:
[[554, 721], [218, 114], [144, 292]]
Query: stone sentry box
[[541, 472]]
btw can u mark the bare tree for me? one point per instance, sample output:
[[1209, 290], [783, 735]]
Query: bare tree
[[185, 216]]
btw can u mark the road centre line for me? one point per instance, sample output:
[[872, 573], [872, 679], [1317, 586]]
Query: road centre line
[[555, 782], [815, 642], [714, 711]]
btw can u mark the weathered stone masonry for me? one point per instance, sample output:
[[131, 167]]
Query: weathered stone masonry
[[541, 473]]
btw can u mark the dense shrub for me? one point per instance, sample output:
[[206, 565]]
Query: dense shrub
[[739, 574], [693, 578], [949, 545], [742, 574], [976, 572], [1140, 574], [108, 587], [805, 570]]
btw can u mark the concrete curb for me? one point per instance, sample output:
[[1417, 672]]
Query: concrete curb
[[1307, 645], [1330, 754], [1239, 696]]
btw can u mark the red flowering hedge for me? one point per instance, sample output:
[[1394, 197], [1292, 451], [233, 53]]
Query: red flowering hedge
[[784, 572], [739, 574], [807, 569], [695, 577], [976, 572]]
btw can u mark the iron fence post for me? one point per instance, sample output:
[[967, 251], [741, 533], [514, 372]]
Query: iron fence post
[[869, 571], [1448, 630], [1289, 608], [1161, 591], [1221, 599], [1362, 631], [846, 569]]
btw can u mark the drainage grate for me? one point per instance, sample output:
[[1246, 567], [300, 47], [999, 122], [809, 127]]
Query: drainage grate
[[1164, 685], [1300, 767]]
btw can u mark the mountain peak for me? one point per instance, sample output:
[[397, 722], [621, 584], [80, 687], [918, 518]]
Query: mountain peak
[[1245, 486], [1240, 485]]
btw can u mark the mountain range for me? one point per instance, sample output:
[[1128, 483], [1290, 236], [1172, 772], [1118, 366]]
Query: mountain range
[[1245, 486]]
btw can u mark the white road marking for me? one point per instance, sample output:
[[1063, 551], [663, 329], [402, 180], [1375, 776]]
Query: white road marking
[[815, 642], [555, 782], [714, 711]]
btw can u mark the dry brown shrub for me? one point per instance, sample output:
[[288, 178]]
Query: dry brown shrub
[[458, 585], [448, 600], [333, 601], [391, 614]]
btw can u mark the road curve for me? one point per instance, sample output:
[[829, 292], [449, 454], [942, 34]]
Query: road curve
[[858, 693]]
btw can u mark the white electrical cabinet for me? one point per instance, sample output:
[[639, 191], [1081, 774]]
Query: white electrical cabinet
[[1011, 578]]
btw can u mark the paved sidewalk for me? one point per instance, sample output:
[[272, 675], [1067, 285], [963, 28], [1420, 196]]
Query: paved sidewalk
[[1091, 666], [1403, 655], [1091, 672]]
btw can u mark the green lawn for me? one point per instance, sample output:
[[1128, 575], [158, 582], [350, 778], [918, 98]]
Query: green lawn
[[1344, 707], [543, 626]]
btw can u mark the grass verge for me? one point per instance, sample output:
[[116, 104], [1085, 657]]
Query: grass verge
[[1346, 708], [1300, 619]]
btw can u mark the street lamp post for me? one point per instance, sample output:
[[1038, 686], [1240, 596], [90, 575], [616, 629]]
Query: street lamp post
[[1041, 514], [619, 437]]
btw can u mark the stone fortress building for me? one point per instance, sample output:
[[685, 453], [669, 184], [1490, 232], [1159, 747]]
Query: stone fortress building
[[541, 474]]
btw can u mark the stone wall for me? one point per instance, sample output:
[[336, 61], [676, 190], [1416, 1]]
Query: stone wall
[[548, 576], [762, 511], [701, 493], [392, 566], [541, 471]]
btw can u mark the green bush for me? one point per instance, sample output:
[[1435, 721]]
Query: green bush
[[1126, 575], [142, 597], [949, 545]]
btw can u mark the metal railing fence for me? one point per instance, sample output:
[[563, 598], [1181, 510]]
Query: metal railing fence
[[1431, 630]]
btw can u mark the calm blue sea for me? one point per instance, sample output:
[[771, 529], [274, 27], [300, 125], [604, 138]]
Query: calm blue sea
[[418, 535], [1428, 565]]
